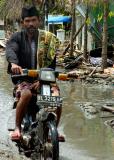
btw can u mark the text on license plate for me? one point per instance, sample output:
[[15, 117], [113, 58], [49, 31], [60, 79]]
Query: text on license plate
[[53, 99]]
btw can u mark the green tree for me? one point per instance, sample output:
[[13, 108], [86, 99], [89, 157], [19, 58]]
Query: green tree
[[59, 7], [105, 4]]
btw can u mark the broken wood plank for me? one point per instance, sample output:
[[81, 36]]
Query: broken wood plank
[[107, 108]]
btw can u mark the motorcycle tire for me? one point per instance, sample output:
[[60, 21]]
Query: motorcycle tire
[[51, 149]]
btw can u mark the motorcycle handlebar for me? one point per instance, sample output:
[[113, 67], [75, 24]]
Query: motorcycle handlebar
[[26, 72], [35, 73], [67, 76]]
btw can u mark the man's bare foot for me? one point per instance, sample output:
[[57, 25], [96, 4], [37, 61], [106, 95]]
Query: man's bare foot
[[15, 135]]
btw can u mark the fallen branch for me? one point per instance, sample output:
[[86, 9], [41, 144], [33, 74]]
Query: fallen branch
[[93, 71]]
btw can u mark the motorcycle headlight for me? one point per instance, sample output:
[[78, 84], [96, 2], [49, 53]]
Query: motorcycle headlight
[[47, 75]]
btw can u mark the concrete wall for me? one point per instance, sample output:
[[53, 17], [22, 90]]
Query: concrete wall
[[80, 37]]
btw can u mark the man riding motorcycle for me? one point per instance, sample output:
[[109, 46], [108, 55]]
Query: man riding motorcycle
[[30, 48]]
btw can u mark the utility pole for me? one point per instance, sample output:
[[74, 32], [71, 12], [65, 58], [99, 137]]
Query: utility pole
[[46, 14]]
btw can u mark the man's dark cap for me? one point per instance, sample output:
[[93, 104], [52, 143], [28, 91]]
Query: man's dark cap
[[29, 12]]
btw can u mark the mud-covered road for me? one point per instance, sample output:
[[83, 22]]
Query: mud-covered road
[[87, 138]]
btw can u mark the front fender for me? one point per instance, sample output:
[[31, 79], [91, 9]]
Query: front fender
[[43, 115], [51, 116]]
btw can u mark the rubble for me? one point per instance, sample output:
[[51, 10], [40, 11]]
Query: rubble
[[85, 71]]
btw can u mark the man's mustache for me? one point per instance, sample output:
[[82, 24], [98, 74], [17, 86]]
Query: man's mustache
[[31, 28]]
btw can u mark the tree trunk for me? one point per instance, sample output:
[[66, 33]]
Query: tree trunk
[[36, 2], [46, 14], [104, 36], [72, 27], [86, 36]]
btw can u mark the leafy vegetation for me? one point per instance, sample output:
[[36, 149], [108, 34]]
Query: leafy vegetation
[[11, 9]]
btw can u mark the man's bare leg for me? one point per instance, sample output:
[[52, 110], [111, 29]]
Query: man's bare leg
[[20, 112]]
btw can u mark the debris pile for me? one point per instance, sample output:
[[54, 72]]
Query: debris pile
[[87, 71]]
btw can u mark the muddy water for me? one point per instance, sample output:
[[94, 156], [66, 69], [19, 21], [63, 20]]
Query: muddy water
[[87, 138]]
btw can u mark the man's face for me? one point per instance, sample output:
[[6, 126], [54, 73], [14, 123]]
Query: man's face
[[31, 24]]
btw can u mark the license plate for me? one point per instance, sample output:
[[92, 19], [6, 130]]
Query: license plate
[[49, 100]]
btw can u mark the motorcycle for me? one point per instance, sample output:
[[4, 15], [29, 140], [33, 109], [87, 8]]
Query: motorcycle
[[39, 126]]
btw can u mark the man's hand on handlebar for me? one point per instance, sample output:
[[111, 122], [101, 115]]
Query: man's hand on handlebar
[[16, 69]]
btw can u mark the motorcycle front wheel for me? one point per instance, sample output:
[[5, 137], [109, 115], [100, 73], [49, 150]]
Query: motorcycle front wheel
[[51, 142]]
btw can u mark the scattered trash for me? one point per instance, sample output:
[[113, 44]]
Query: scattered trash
[[89, 110], [3, 43], [110, 123]]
